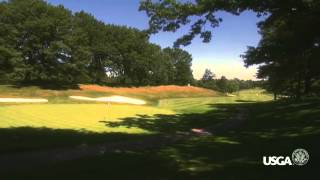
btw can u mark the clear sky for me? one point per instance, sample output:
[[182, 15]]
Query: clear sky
[[221, 55]]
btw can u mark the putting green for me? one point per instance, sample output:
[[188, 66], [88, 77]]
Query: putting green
[[87, 117]]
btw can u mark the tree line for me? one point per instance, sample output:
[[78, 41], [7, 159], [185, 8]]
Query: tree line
[[41, 43], [288, 53], [222, 84]]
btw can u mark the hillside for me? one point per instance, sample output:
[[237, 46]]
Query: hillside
[[149, 93], [154, 92]]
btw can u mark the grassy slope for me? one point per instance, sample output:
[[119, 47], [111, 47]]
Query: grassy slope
[[272, 128], [155, 92], [150, 94], [100, 118], [65, 118], [204, 104], [88, 117], [95, 117]]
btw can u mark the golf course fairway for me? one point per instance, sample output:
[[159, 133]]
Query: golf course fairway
[[84, 117]]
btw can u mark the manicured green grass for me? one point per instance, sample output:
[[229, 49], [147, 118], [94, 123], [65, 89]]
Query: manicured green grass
[[204, 104], [82, 117], [47, 126], [100, 118], [271, 128], [94, 117]]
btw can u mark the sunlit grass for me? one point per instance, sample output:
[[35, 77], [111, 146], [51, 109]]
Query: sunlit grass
[[85, 117], [270, 128], [94, 117], [204, 104]]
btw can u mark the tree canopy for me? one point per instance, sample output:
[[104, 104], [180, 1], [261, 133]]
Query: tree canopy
[[41, 43], [288, 53], [208, 75]]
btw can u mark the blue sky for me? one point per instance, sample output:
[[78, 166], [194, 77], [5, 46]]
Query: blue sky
[[221, 55]]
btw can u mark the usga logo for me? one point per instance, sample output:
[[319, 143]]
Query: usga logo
[[299, 157]]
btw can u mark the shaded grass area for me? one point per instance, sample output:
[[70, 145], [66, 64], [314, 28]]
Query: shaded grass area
[[187, 118], [26, 139], [272, 128]]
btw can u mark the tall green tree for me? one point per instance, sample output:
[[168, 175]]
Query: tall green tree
[[288, 52], [208, 75], [289, 56], [181, 61], [46, 44], [41, 34]]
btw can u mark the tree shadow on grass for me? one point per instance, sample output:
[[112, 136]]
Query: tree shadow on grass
[[245, 101], [26, 139], [161, 123], [271, 129]]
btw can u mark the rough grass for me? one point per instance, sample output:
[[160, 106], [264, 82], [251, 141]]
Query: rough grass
[[54, 96], [150, 94], [154, 92]]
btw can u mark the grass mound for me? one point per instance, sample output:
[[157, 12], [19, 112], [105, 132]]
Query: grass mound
[[151, 94]]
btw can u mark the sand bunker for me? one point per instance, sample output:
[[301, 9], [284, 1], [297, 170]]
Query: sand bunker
[[22, 100], [115, 99]]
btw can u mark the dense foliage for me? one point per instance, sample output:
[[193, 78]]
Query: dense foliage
[[225, 85], [41, 43], [288, 53]]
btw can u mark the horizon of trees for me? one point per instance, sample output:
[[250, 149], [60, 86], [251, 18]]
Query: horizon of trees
[[222, 84], [288, 54], [42, 44]]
